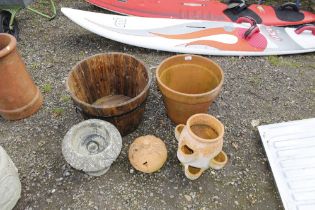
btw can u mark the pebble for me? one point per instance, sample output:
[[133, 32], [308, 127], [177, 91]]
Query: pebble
[[132, 171], [235, 145], [66, 173], [192, 194], [255, 123], [188, 198], [215, 198], [236, 203]]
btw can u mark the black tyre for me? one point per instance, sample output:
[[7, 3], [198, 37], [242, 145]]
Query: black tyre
[[5, 24]]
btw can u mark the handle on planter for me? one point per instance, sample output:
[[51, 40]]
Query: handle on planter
[[300, 29], [193, 176], [252, 29], [178, 130], [219, 161]]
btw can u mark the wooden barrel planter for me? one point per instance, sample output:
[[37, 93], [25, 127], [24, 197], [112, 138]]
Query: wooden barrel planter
[[112, 87]]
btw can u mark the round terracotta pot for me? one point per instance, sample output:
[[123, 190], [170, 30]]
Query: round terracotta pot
[[147, 153], [19, 97], [112, 87], [200, 144], [189, 84]]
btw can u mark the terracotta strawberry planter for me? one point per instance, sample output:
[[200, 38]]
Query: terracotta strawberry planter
[[112, 87], [19, 97], [189, 84], [200, 144]]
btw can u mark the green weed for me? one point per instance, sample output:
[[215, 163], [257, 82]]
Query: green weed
[[255, 80], [47, 88], [280, 61], [58, 111], [64, 98]]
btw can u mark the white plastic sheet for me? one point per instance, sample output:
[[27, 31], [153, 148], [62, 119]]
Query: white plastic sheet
[[290, 148]]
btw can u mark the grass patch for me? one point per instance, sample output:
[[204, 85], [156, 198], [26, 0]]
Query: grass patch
[[274, 60], [35, 65], [280, 61], [43, 6], [47, 88], [81, 55], [58, 111], [233, 59], [292, 64], [312, 66], [255, 80], [65, 98], [311, 90]]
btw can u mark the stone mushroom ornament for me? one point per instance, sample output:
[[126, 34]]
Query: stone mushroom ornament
[[92, 146], [147, 154], [10, 185]]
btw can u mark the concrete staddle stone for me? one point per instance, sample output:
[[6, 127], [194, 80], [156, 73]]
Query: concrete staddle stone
[[92, 146], [10, 185]]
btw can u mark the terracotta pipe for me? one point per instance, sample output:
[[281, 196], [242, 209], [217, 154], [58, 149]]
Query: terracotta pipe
[[19, 97]]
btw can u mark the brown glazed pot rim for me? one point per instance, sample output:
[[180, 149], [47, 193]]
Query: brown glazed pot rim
[[220, 136], [9, 47], [143, 92], [187, 94]]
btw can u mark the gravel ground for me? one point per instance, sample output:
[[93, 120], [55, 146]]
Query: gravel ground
[[267, 89]]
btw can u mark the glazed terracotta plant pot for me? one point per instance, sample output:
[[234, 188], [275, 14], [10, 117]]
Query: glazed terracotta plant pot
[[200, 141], [111, 87], [19, 97], [189, 84]]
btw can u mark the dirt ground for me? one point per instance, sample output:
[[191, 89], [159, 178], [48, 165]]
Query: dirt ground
[[268, 89]]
